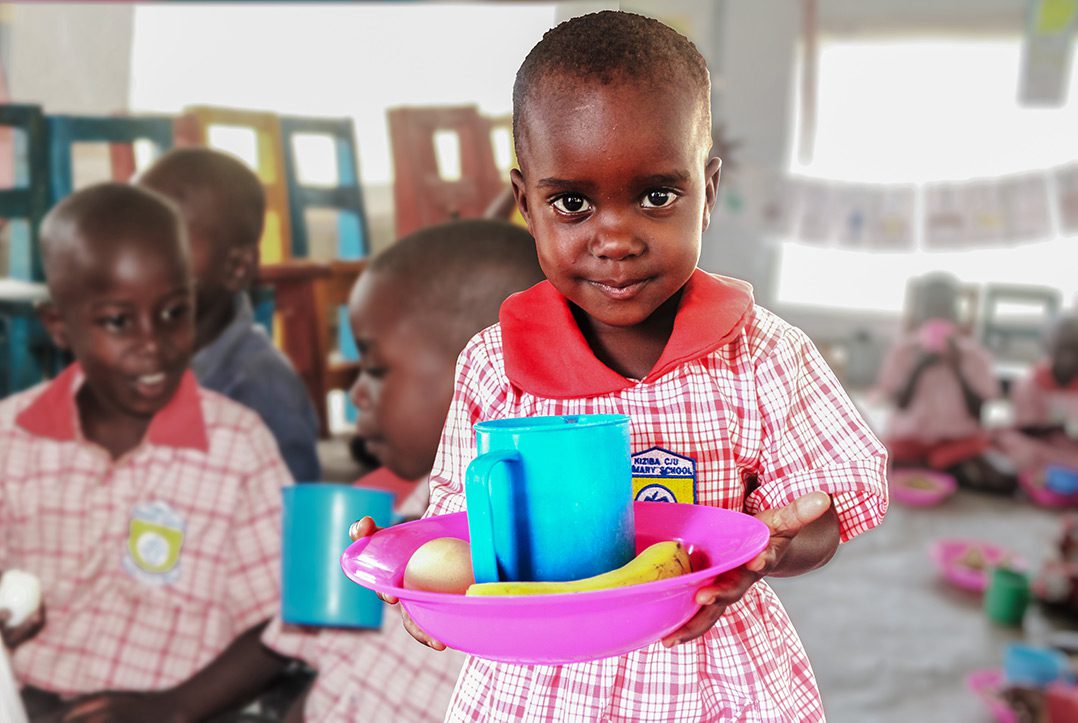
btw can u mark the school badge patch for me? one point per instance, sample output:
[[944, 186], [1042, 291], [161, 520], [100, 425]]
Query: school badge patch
[[660, 475], [154, 540]]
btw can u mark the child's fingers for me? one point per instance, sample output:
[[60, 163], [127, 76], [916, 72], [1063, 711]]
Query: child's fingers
[[713, 600], [789, 520], [419, 634], [387, 598], [363, 527]]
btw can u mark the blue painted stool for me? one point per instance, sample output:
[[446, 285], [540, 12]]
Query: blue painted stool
[[346, 197], [66, 130], [26, 352]]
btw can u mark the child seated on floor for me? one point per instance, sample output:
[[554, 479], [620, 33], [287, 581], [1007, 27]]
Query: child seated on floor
[[223, 206], [937, 379], [148, 507], [1045, 431], [616, 181], [412, 311]]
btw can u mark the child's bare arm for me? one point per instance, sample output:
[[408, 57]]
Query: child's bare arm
[[804, 536], [235, 676]]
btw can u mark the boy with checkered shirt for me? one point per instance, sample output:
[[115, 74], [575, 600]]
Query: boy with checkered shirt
[[148, 507]]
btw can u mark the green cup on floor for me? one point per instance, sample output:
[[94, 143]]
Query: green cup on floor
[[1007, 596]]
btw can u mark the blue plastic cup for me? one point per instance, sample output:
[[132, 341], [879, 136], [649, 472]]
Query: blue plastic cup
[[550, 498], [315, 521]]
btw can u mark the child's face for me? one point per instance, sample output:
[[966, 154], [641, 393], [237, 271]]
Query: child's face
[[405, 383], [616, 186], [126, 315]]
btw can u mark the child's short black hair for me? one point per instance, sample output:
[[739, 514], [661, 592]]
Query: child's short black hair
[[106, 213], [455, 275], [220, 196], [609, 46]]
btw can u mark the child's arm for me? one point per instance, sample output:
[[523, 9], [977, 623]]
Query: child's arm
[[804, 536], [236, 675]]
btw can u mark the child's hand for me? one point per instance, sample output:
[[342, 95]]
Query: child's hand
[[786, 524], [124, 707], [365, 527], [13, 637]]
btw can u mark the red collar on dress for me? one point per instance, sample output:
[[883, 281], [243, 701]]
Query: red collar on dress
[[546, 353], [179, 423], [1043, 377]]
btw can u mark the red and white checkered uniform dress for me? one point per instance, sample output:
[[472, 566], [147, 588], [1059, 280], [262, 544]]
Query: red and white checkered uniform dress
[[762, 406], [67, 512]]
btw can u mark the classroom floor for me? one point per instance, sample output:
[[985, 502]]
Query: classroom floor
[[890, 641]]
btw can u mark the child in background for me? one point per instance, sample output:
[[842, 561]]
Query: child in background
[[412, 311], [148, 507], [223, 205], [937, 380], [617, 193], [1046, 406]]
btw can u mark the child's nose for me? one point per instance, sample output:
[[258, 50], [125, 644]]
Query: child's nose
[[360, 393], [616, 241]]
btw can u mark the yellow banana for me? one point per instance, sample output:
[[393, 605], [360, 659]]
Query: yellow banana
[[657, 562]]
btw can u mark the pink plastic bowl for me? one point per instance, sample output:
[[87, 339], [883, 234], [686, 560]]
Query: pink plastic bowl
[[950, 553], [1033, 483], [568, 627], [938, 486], [986, 685]]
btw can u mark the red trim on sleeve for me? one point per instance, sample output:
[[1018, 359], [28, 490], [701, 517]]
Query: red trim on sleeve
[[179, 423], [546, 353]]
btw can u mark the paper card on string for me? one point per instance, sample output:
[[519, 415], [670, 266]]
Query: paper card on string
[[1024, 205], [1066, 182]]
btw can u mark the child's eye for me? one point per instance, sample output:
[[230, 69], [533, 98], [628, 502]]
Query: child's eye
[[571, 203], [373, 372], [175, 312], [115, 323], [658, 198]]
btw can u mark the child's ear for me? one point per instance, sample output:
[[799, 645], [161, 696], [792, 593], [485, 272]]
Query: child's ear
[[241, 267], [54, 324], [711, 188], [517, 179]]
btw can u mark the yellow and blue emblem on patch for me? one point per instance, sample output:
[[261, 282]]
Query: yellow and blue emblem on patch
[[660, 475]]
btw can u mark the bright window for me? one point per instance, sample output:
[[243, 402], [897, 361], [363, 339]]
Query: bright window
[[915, 111], [333, 60]]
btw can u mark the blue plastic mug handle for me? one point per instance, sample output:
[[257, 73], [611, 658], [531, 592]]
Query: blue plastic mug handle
[[481, 516]]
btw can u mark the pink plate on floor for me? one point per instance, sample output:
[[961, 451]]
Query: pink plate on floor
[[986, 684], [1034, 483], [568, 627], [965, 563], [921, 487]]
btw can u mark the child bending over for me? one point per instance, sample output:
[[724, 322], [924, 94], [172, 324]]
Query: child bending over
[[612, 124], [937, 380], [148, 507], [412, 311]]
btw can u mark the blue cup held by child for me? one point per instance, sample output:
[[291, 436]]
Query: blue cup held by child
[[550, 498], [314, 533]]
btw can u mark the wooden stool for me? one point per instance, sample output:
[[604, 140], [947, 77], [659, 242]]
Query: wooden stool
[[422, 197], [346, 197]]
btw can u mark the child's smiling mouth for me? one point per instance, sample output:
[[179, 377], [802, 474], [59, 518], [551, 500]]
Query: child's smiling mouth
[[619, 290], [151, 385]]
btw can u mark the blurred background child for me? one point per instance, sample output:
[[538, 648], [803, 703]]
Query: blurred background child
[[223, 205], [937, 380], [412, 311], [148, 507], [1045, 404]]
